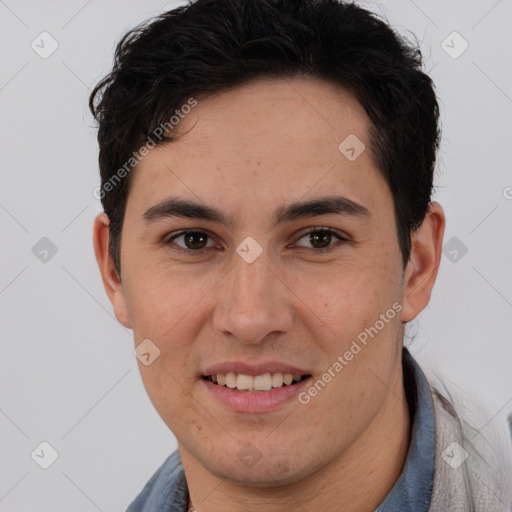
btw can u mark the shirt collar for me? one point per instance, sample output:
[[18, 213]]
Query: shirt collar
[[413, 489]]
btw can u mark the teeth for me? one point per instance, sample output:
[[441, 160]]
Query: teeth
[[277, 380], [258, 383], [244, 382], [262, 382], [230, 380]]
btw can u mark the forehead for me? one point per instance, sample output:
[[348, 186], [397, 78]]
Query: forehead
[[278, 136], [281, 113]]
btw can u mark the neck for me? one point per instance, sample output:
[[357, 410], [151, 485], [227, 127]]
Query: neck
[[357, 481]]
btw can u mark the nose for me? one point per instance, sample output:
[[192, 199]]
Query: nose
[[254, 301]]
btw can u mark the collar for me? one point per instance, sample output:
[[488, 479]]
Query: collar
[[413, 489]]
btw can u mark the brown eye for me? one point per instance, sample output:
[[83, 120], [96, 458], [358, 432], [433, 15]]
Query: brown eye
[[193, 241], [321, 238]]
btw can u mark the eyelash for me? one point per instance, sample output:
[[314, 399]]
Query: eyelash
[[190, 252]]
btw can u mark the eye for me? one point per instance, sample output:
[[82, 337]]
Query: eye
[[194, 242], [321, 239]]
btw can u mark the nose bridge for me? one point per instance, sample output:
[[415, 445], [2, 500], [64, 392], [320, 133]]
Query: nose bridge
[[252, 281], [252, 302]]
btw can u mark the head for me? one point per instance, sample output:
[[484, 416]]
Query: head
[[275, 204]]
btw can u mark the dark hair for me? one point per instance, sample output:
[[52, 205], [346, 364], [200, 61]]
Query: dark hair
[[209, 46]]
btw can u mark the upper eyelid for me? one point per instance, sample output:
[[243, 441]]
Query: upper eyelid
[[340, 235]]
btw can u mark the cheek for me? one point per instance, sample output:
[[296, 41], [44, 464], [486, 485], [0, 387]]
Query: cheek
[[351, 295], [170, 393], [359, 306], [165, 311], [162, 299]]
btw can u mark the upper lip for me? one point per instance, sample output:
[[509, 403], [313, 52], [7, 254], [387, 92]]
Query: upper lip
[[253, 369]]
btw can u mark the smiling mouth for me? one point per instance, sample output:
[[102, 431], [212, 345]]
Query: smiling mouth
[[257, 383]]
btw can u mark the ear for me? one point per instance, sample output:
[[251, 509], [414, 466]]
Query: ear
[[421, 270], [111, 281]]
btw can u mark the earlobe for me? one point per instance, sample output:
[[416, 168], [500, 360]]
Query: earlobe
[[422, 268], [111, 280]]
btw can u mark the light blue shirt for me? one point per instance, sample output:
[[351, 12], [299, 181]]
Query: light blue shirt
[[167, 490]]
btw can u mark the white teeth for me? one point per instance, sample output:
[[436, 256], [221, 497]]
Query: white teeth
[[277, 380], [263, 382], [230, 380], [244, 382]]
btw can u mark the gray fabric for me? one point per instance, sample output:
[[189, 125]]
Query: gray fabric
[[482, 483]]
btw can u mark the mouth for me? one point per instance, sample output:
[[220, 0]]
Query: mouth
[[257, 383]]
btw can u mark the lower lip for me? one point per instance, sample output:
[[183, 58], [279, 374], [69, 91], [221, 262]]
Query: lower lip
[[259, 401]]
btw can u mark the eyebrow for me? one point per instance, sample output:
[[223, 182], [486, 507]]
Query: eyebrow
[[184, 208]]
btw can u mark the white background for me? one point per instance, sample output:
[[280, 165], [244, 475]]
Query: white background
[[68, 374]]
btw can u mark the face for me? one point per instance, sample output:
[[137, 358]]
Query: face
[[257, 281]]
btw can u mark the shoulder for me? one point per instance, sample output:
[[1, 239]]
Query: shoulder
[[166, 490], [473, 458]]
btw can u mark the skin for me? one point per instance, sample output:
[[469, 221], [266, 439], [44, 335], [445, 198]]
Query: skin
[[279, 140]]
